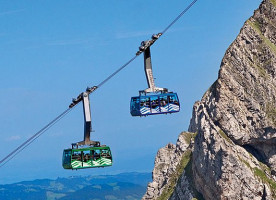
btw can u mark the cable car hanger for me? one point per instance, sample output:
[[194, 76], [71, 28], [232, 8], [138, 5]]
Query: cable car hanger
[[153, 100], [145, 47], [26, 143], [84, 97], [86, 153]]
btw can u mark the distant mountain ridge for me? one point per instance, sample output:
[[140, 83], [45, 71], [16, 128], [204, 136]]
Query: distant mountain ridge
[[107, 187]]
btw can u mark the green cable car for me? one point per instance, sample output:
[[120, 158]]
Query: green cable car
[[87, 157], [87, 153]]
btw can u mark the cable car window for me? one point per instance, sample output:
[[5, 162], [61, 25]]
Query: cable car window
[[154, 102], [174, 99], [67, 156], [163, 100], [145, 101], [105, 153], [170, 99], [135, 103], [76, 155], [135, 99], [86, 156], [96, 154], [142, 102]]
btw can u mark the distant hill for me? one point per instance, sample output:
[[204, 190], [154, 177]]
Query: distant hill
[[129, 186]]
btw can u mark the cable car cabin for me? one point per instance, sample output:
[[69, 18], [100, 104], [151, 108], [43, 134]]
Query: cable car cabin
[[89, 157], [144, 105]]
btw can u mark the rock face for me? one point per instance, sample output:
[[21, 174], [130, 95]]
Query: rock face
[[169, 165], [233, 155]]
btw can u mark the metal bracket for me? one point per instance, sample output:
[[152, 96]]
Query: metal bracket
[[148, 43], [75, 101]]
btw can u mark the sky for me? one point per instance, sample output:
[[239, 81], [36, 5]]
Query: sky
[[50, 51]]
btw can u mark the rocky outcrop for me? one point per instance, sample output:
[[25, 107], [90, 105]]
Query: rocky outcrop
[[233, 155], [170, 163]]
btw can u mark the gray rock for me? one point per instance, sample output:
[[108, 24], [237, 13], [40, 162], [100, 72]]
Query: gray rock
[[169, 165], [233, 155]]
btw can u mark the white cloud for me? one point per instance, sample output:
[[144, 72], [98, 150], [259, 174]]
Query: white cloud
[[14, 137]]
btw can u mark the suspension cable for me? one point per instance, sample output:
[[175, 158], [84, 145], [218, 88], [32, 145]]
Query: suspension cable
[[117, 71], [179, 16], [25, 144], [33, 138]]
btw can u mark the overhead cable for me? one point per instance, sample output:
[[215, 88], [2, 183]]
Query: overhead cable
[[33, 138], [179, 16]]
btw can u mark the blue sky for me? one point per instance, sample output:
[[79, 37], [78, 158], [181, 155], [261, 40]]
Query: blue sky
[[52, 50]]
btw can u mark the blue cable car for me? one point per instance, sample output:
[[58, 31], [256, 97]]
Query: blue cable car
[[153, 100], [154, 104]]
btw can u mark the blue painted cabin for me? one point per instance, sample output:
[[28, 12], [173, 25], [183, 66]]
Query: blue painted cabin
[[164, 103]]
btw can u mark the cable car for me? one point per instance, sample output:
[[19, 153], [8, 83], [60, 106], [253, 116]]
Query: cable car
[[87, 157], [154, 104], [87, 153], [153, 100]]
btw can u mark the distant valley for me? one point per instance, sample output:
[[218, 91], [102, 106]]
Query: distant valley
[[105, 187]]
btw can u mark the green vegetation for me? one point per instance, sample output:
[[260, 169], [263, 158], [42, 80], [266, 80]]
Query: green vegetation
[[245, 162], [256, 26], [189, 174], [188, 136], [261, 174], [169, 188], [266, 42], [185, 164], [54, 196], [271, 112], [225, 136], [260, 69], [273, 2], [265, 167]]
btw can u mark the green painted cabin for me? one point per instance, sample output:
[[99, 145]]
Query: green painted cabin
[[89, 157]]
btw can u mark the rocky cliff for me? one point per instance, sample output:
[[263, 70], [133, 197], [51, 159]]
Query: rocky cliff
[[230, 149]]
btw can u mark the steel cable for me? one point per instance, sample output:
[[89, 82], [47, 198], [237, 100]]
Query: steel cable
[[33, 138], [179, 16], [117, 71]]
